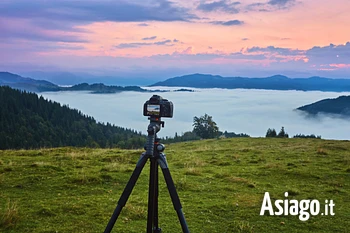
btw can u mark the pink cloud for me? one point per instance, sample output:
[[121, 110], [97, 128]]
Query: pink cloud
[[340, 66]]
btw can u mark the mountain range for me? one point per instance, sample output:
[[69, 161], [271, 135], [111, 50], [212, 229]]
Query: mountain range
[[340, 106], [33, 85], [276, 82], [69, 78]]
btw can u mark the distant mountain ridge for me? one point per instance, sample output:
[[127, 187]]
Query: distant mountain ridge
[[33, 85], [276, 82], [339, 106], [65, 78], [28, 84]]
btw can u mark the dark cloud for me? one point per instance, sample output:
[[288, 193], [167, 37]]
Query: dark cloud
[[271, 5], [175, 40], [245, 38], [50, 47], [276, 50], [330, 54], [164, 42], [142, 44], [224, 5], [280, 2], [67, 16], [22, 31], [228, 23], [56, 25], [331, 57], [262, 7], [149, 38], [240, 55], [131, 45], [82, 12]]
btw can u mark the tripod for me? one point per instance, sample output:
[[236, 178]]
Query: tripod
[[153, 152]]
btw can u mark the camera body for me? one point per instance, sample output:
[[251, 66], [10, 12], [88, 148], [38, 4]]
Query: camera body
[[156, 106]]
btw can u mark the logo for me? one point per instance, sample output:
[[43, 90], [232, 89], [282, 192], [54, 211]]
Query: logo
[[303, 208]]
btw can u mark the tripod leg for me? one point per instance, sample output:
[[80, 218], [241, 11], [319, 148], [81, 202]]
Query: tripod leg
[[156, 228], [172, 191], [152, 218], [127, 191]]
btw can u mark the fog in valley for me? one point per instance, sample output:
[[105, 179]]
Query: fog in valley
[[239, 110]]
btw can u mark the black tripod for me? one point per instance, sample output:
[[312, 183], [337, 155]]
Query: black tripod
[[153, 152]]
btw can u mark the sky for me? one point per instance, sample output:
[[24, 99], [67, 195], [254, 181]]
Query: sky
[[163, 39]]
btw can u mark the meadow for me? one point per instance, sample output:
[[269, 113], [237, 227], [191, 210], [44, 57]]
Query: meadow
[[221, 184]]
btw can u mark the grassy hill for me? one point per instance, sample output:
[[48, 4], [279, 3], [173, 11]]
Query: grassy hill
[[221, 184]]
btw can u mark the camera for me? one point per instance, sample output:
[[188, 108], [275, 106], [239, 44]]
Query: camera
[[156, 106]]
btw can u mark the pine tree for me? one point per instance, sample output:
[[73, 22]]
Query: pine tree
[[271, 133], [282, 133]]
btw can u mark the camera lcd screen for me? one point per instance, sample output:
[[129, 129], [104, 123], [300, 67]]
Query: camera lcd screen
[[153, 109]]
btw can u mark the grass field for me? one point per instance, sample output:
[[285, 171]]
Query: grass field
[[221, 184]]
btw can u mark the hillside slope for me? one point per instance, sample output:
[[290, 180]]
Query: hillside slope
[[221, 185], [339, 106], [29, 121]]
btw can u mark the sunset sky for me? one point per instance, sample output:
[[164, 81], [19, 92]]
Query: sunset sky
[[156, 38]]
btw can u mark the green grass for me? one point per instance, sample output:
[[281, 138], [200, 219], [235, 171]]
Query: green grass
[[221, 184]]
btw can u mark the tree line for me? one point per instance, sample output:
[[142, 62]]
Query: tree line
[[28, 121], [271, 133], [204, 127]]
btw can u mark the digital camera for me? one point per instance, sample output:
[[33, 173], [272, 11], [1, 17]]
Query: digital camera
[[156, 106]]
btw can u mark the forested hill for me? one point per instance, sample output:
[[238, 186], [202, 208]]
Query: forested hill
[[29, 121], [340, 106]]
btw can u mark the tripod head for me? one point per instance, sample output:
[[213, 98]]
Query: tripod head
[[156, 108], [154, 127]]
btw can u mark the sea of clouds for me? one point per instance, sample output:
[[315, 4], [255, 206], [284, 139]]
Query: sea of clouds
[[235, 110]]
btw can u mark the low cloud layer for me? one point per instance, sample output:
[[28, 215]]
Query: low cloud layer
[[240, 111]]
